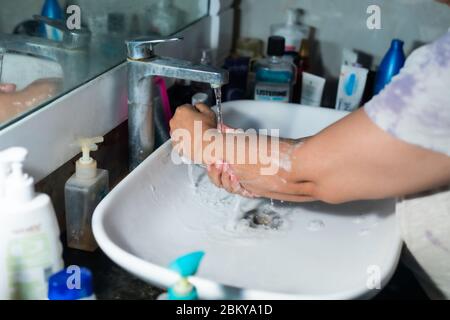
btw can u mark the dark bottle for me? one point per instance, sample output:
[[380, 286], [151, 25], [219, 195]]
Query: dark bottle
[[302, 63]]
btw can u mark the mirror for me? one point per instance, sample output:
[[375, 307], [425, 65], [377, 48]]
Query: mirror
[[50, 47]]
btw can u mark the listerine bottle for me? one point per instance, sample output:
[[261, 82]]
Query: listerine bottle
[[275, 76]]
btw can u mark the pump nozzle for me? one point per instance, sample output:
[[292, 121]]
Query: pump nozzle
[[292, 16], [87, 145], [16, 184], [6, 157], [86, 166]]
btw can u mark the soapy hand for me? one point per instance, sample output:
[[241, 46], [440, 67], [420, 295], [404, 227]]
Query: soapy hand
[[222, 176], [184, 120], [219, 172]]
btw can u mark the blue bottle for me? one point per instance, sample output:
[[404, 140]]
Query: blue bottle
[[71, 284], [52, 10], [392, 63]]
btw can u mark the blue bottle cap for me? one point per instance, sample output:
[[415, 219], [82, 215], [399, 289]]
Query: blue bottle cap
[[70, 284], [397, 43]]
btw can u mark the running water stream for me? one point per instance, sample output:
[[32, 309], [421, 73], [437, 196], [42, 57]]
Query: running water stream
[[218, 94]]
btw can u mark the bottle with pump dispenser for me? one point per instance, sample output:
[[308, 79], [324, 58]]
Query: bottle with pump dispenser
[[30, 248], [291, 31], [274, 75], [83, 192]]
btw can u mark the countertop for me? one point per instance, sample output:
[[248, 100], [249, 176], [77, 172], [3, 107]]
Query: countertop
[[113, 283]]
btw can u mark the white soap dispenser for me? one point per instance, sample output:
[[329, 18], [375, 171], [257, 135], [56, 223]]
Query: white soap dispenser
[[291, 31], [83, 192], [30, 248], [5, 169]]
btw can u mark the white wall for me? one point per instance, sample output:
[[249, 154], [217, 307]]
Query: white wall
[[342, 23], [13, 12]]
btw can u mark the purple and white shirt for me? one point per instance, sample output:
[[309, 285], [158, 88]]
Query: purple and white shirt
[[415, 106]]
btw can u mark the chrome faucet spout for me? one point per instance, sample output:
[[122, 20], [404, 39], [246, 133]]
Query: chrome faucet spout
[[143, 65]]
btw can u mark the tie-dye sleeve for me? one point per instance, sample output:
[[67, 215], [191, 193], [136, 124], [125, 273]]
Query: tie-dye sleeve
[[415, 106]]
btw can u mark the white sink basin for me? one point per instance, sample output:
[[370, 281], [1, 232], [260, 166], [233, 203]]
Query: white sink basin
[[320, 251], [22, 70]]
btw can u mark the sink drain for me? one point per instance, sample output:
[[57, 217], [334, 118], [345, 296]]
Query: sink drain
[[263, 220]]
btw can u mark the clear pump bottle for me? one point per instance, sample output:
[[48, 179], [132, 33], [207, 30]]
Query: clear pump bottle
[[83, 192]]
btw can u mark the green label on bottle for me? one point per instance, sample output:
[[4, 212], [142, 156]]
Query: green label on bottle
[[29, 265]]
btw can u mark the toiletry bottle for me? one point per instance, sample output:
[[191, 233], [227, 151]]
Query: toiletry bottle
[[392, 63], [52, 10], [312, 89], [30, 249], [186, 266], [291, 31], [165, 18], [274, 75], [352, 82], [72, 283], [83, 192], [199, 98], [238, 70], [302, 64], [5, 169]]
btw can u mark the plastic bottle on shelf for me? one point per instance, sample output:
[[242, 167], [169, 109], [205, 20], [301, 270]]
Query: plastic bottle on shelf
[[83, 192], [291, 31], [30, 248]]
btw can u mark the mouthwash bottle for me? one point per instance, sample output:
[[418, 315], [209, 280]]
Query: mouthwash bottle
[[275, 76]]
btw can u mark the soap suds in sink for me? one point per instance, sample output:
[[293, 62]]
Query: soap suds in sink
[[242, 219]]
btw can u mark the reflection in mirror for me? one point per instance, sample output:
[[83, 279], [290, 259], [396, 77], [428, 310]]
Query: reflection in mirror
[[50, 47]]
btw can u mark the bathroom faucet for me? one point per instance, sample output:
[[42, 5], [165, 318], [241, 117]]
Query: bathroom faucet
[[143, 66], [70, 53]]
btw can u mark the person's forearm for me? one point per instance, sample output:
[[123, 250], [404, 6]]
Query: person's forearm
[[355, 160], [350, 160], [13, 103], [263, 165]]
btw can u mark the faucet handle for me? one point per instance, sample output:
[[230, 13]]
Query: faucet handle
[[142, 48], [72, 39]]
